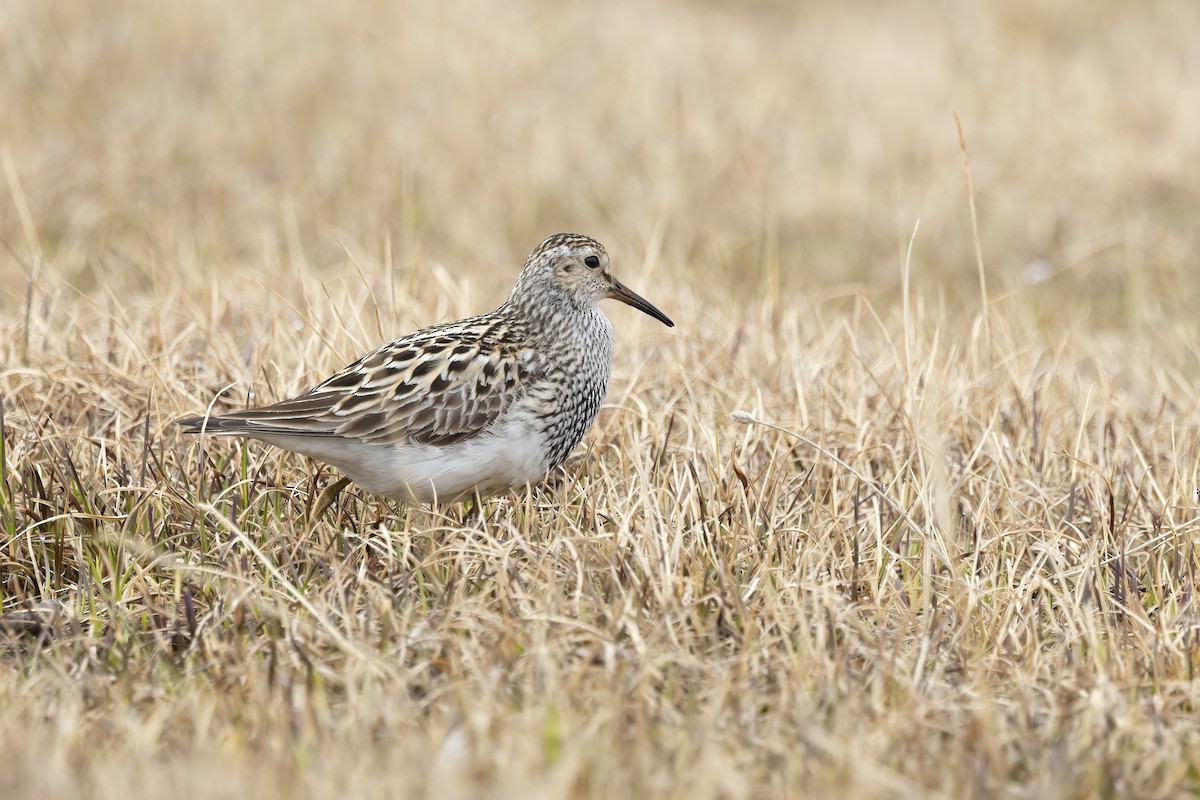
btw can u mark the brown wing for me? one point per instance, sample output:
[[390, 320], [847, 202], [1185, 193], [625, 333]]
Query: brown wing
[[433, 390]]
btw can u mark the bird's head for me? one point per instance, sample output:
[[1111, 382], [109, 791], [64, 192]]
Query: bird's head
[[575, 267]]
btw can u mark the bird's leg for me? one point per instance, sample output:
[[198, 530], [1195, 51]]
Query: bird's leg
[[328, 496], [475, 514]]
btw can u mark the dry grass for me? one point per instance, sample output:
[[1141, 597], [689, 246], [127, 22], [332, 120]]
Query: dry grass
[[963, 563]]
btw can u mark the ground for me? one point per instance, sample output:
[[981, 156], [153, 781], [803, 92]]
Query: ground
[[904, 506]]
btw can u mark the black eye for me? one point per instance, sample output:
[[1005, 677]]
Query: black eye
[[592, 261]]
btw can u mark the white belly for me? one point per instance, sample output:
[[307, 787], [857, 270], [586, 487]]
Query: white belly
[[512, 456]]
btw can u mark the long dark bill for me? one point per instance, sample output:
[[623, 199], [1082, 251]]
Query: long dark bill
[[631, 298]]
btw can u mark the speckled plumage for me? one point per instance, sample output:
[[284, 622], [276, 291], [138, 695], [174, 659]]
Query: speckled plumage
[[475, 406]]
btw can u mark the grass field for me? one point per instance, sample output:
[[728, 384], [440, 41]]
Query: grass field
[[905, 505]]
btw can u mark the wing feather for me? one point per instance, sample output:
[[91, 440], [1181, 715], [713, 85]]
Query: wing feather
[[435, 391]]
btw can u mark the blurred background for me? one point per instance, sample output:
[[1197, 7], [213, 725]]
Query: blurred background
[[221, 201], [754, 149]]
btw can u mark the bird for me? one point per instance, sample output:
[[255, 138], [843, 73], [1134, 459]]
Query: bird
[[476, 407]]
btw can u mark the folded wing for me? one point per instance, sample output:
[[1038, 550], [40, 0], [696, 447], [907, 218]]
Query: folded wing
[[434, 391]]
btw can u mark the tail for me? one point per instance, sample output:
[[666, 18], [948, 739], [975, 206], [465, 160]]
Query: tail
[[252, 424], [215, 425], [307, 415]]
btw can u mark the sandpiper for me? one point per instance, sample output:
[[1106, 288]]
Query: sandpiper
[[478, 406]]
